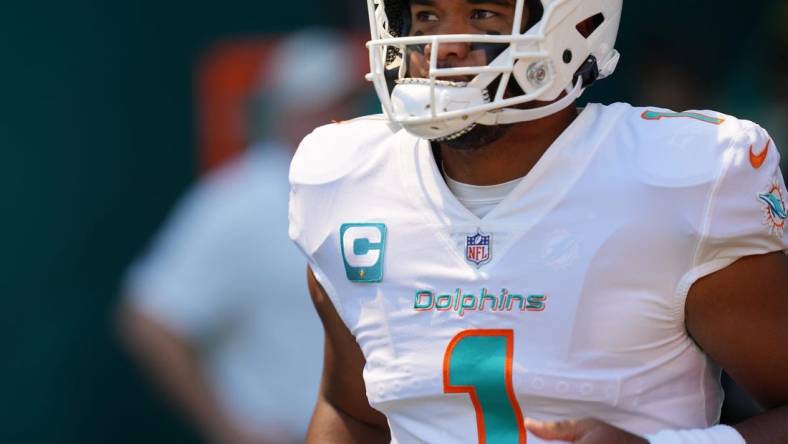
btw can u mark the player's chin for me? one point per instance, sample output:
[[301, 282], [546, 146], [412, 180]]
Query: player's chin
[[477, 138]]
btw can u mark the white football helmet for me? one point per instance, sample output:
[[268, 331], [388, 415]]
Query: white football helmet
[[551, 57]]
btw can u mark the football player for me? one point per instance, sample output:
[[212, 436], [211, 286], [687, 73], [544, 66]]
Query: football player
[[493, 265]]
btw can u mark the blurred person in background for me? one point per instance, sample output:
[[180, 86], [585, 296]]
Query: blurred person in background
[[216, 309]]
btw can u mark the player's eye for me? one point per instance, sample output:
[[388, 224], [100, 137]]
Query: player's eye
[[481, 14], [426, 16]]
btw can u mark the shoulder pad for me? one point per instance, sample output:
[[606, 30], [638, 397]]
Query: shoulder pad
[[330, 152], [686, 148]]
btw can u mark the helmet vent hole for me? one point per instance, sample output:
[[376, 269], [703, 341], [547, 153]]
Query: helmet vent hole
[[567, 56], [591, 24]]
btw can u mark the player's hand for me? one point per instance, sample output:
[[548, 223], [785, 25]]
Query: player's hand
[[582, 431]]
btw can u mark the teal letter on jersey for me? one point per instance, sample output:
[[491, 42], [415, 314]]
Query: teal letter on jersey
[[363, 247]]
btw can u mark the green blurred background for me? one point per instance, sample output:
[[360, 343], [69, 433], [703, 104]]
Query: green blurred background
[[97, 129]]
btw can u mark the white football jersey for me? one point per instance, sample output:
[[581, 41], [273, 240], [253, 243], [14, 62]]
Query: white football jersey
[[566, 300]]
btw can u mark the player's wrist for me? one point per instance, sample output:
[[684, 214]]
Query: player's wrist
[[719, 434]]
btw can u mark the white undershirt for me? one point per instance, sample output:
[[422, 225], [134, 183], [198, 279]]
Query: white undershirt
[[480, 199]]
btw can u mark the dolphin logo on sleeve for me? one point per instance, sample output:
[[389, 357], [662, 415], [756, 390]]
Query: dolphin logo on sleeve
[[774, 211], [775, 204]]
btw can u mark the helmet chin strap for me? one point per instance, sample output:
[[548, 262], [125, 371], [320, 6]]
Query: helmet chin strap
[[508, 116]]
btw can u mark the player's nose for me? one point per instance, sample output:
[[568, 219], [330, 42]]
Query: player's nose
[[450, 54]]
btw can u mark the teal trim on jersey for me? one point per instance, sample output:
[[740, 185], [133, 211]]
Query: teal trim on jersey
[[479, 362], [776, 206], [363, 247], [657, 115]]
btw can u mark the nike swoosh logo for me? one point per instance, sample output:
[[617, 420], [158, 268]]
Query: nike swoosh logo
[[757, 160]]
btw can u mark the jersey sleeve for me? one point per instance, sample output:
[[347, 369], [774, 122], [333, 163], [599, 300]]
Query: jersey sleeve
[[192, 277], [326, 176], [747, 208], [313, 179]]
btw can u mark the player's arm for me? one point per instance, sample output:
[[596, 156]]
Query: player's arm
[[342, 413], [739, 316], [173, 364]]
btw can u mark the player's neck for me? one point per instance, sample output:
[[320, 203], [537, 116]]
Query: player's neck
[[510, 157]]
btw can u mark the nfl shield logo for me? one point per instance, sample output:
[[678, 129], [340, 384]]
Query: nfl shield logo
[[477, 248]]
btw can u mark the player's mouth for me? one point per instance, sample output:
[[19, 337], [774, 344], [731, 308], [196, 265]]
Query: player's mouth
[[456, 79]]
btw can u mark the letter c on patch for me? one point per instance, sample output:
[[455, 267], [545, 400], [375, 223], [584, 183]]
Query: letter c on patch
[[363, 247]]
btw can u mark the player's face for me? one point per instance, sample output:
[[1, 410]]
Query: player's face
[[436, 17], [439, 17]]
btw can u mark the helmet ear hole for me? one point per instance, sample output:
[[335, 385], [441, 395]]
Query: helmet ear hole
[[591, 24]]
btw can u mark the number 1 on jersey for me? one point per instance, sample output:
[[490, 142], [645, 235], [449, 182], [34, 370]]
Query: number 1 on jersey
[[479, 363]]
